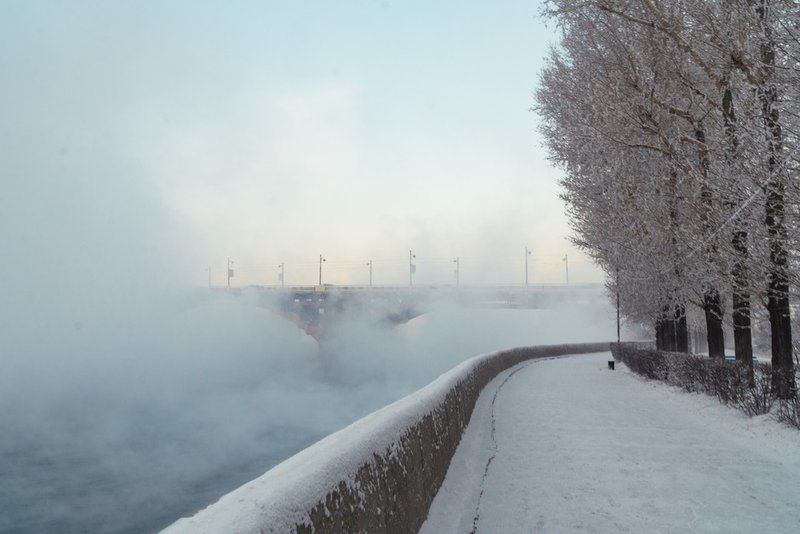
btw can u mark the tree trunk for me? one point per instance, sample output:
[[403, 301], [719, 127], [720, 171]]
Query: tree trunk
[[681, 329], [742, 337], [778, 297], [667, 330], [778, 293], [678, 333], [659, 334], [715, 335], [712, 303], [669, 335]]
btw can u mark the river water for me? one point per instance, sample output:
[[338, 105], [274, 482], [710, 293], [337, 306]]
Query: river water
[[131, 441]]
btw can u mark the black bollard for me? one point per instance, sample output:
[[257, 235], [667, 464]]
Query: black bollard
[[611, 364]]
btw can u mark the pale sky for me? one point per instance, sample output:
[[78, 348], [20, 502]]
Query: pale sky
[[276, 131]]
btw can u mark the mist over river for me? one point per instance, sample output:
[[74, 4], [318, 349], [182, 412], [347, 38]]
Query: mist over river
[[151, 149], [123, 427]]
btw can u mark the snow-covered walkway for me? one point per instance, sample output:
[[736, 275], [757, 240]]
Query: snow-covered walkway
[[566, 445]]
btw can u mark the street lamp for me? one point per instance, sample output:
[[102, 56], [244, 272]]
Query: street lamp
[[281, 275], [321, 259], [617, 288], [457, 272], [369, 264], [527, 253], [411, 268], [566, 266]]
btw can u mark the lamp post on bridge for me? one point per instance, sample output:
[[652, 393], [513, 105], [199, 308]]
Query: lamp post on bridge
[[281, 276], [411, 268], [527, 253], [457, 261], [369, 264], [321, 259]]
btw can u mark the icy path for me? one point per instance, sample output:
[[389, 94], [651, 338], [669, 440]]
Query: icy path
[[566, 445]]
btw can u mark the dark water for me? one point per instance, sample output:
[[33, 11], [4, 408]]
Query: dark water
[[72, 486]]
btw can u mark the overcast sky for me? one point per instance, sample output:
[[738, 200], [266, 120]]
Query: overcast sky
[[188, 132]]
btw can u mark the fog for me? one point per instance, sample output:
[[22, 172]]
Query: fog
[[128, 399], [125, 417], [138, 142]]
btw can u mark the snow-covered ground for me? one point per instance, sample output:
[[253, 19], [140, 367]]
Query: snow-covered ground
[[566, 445]]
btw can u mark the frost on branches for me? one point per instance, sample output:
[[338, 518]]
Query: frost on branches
[[676, 123]]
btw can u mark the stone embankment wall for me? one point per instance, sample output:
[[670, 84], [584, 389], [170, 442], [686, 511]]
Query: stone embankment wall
[[381, 473]]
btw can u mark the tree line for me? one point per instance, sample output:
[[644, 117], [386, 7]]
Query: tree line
[[676, 123]]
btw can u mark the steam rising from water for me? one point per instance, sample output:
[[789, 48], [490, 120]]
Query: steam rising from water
[[127, 400], [142, 415]]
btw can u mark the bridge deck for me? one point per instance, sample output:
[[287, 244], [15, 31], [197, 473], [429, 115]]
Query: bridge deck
[[567, 445]]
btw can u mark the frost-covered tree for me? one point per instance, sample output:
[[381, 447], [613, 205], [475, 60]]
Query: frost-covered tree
[[676, 124]]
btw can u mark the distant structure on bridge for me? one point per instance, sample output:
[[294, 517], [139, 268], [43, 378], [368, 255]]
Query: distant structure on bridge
[[317, 309]]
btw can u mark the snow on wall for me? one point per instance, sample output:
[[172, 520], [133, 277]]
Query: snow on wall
[[380, 474]]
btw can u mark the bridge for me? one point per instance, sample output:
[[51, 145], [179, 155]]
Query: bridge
[[317, 309]]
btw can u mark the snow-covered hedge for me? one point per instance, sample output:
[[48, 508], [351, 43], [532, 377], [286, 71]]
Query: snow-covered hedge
[[380, 474], [728, 381]]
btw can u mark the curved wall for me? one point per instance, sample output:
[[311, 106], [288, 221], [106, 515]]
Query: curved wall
[[379, 474]]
